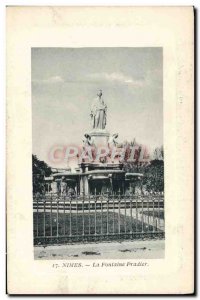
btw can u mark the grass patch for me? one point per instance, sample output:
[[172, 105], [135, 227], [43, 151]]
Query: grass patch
[[86, 226], [157, 214]]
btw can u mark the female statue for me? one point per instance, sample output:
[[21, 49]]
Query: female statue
[[98, 112]]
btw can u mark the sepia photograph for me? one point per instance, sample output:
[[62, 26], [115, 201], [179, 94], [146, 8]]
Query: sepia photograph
[[98, 153]]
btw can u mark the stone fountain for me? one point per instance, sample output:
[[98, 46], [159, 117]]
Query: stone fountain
[[103, 171], [100, 166]]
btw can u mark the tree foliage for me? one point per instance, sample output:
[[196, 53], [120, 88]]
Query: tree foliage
[[154, 176], [153, 170], [40, 170]]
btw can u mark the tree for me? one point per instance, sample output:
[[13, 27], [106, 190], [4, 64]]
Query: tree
[[154, 176], [40, 170], [153, 170]]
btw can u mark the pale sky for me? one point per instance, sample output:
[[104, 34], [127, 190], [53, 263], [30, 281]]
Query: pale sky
[[66, 80]]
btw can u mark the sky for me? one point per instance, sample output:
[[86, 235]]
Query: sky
[[65, 81]]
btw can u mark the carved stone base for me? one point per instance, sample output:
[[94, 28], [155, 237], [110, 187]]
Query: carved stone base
[[100, 137]]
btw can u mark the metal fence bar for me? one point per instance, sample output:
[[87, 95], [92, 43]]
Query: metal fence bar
[[76, 216], [159, 212], [37, 220], [70, 216], [64, 216], [153, 217], [163, 213], [57, 216], [101, 216], [81, 236], [83, 220], [125, 214], [89, 216], [148, 214], [119, 213], [142, 215], [136, 225], [107, 231], [113, 214], [51, 225], [44, 214], [95, 214], [131, 212]]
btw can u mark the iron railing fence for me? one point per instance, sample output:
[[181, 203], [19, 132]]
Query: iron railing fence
[[64, 219]]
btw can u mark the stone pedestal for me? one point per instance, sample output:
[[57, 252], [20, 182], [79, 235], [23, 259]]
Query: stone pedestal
[[84, 187], [54, 187], [100, 137]]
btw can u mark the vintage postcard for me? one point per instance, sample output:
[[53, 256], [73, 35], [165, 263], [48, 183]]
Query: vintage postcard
[[100, 150]]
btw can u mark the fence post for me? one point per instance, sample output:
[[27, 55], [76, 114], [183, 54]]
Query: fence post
[[158, 211], [44, 214], [37, 225], [70, 216], [119, 212], [77, 216], [83, 220], [101, 216], [57, 216], [142, 214], [124, 212], [107, 231], [64, 212], [89, 216], [95, 213], [148, 212], [112, 196], [131, 213], [51, 225], [153, 217], [136, 203]]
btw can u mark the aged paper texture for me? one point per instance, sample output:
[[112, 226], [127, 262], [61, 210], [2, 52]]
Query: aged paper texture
[[60, 54]]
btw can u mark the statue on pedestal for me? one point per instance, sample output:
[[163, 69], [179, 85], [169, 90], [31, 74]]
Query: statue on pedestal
[[98, 112], [112, 140], [89, 146], [88, 141]]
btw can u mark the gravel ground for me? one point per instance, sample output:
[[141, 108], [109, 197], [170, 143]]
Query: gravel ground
[[148, 249]]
